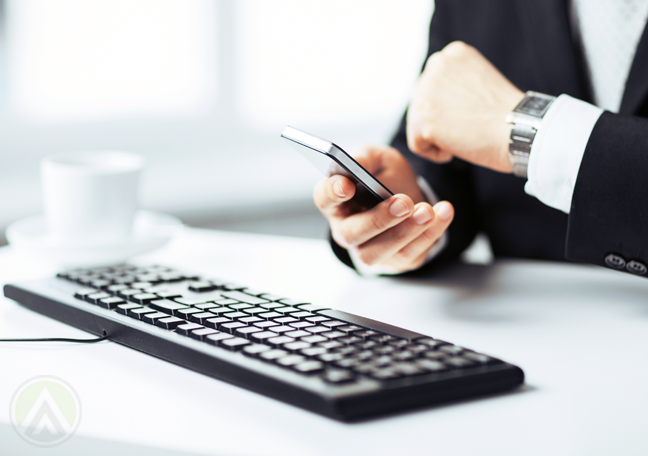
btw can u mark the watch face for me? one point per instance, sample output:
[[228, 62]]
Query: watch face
[[534, 106]]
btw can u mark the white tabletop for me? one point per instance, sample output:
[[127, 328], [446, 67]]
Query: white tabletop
[[580, 333]]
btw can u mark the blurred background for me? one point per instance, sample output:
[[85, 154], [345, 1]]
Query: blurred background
[[203, 89]]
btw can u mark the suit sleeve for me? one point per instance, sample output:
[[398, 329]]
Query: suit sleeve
[[608, 220]]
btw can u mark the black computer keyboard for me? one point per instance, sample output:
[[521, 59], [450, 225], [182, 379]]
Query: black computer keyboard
[[324, 360]]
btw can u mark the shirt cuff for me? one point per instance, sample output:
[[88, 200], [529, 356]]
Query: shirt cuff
[[558, 149], [373, 271]]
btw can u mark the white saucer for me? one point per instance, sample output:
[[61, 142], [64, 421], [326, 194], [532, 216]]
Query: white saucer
[[150, 231]]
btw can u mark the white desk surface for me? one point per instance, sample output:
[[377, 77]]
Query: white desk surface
[[580, 333]]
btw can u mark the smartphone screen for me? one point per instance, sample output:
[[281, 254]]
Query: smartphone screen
[[330, 159]]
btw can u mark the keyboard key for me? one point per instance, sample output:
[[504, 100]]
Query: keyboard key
[[234, 315], [404, 355], [200, 287], [330, 357], [383, 338], [302, 314], [309, 367], [291, 360], [297, 334], [139, 312], [459, 362], [317, 329], [280, 340], [287, 310], [347, 362], [124, 308], [216, 322], [143, 298], [481, 359], [190, 301], [312, 307], [141, 285], [271, 355], [365, 368], [314, 339], [294, 302], [240, 306], [242, 297], [231, 327], [301, 324], [365, 334], [366, 345], [93, 298], [152, 318], [255, 349], [338, 376], [349, 328], [110, 303], [187, 313], [225, 302], [235, 343], [451, 349], [350, 340], [127, 293], [330, 344], [207, 306], [417, 348], [266, 324], [167, 306], [113, 289], [333, 334], [268, 315], [385, 350], [269, 296], [100, 284], [333, 323], [432, 343], [435, 355], [218, 310], [246, 331], [317, 319], [384, 374], [345, 350], [262, 336], [250, 320], [431, 365], [200, 334], [408, 369], [313, 351], [296, 346], [186, 329], [217, 338], [254, 310], [201, 317], [285, 320], [399, 343], [272, 305], [170, 322]]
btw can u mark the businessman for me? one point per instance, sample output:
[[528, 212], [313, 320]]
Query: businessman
[[528, 123]]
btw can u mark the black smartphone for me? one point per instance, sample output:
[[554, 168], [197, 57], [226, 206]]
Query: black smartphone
[[331, 159]]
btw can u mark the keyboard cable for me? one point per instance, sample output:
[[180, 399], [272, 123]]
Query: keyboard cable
[[61, 339]]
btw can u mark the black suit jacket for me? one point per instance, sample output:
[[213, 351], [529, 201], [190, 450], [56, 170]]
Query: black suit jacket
[[533, 45]]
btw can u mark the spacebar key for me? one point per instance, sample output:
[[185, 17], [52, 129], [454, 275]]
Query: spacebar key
[[371, 324]]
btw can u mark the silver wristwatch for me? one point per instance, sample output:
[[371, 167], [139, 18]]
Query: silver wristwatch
[[526, 118]]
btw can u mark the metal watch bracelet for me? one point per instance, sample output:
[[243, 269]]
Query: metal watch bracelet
[[525, 120]]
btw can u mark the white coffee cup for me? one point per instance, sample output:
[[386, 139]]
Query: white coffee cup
[[90, 197]]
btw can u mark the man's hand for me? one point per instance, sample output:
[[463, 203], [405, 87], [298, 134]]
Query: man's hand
[[398, 232], [459, 109]]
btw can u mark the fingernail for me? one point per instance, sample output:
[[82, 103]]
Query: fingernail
[[398, 208], [443, 210], [422, 215], [337, 188]]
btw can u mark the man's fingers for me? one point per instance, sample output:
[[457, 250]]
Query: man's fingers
[[331, 192], [358, 228], [414, 254], [404, 243]]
